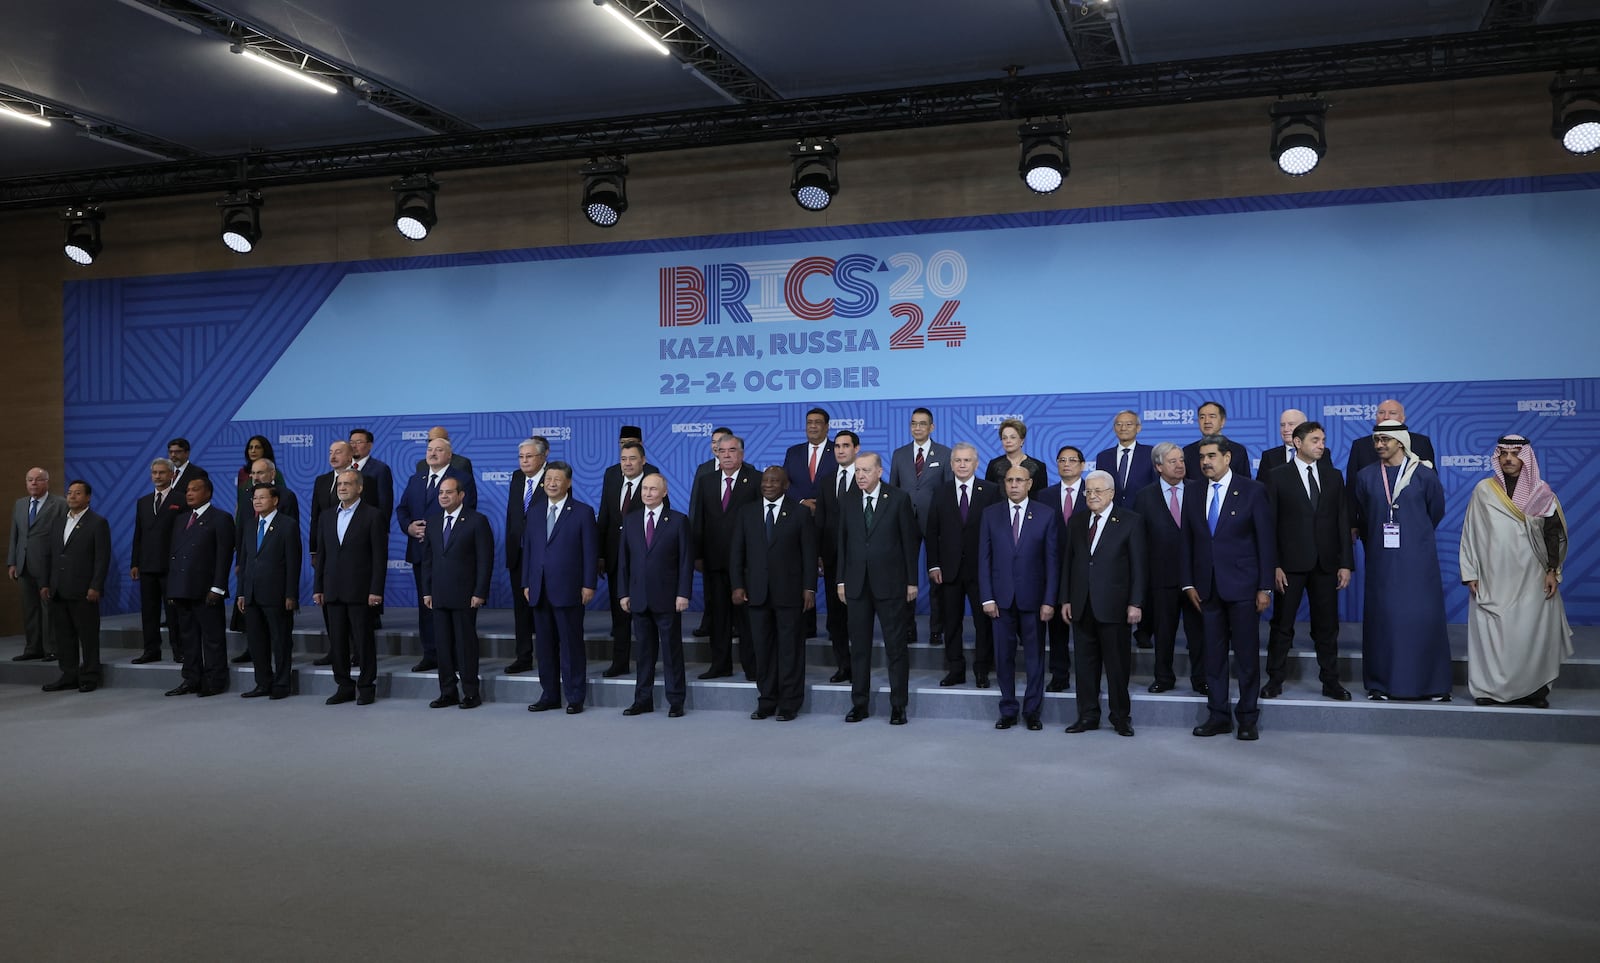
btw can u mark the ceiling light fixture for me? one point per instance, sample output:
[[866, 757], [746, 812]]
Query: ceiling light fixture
[[414, 214], [1044, 165], [1575, 113], [633, 25], [605, 190], [1299, 138], [283, 68], [816, 172], [241, 220], [83, 233]]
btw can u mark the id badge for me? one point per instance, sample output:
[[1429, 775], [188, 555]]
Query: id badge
[[1391, 535]]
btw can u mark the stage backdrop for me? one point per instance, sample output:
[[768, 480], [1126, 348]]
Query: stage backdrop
[[1471, 302]]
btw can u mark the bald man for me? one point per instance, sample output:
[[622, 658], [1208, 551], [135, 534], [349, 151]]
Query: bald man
[[1364, 453], [1291, 419]]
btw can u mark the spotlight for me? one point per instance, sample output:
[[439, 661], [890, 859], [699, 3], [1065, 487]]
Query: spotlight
[[83, 233], [816, 172], [1575, 113], [241, 220], [414, 215], [1298, 138], [1044, 163], [605, 190]]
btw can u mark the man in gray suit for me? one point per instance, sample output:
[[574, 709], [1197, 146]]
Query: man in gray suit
[[76, 556], [918, 469], [30, 526]]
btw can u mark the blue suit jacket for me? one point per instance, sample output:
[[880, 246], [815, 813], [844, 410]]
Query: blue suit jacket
[[557, 569], [456, 572], [652, 577], [1141, 471], [1238, 561], [795, 462], [415, 504], [1024, 573]]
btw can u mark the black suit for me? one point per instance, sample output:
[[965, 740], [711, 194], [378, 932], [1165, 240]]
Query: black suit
[[952, 545], [654, 574], [1100, 581], [380, 479], [609, 518], [827, 519], [455, 570], [1191, 460], [517, 515], [202, 554], [1141, 470], [348, 572], [776, 569], [1165, 605], [876, 566], [1313, 544], [1272, 458], [75, 565], [1056, 632], [323, 498], [269, 579], [152, 547], [713, 541], [1362, 454]]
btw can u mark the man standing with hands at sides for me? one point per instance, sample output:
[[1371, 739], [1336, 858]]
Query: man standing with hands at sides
[[773, 570], [524, 500], [1312, 519], [560, 562], [1104, 579], [262, 472], [269, 590], [954, 521], [324, 496], [1211, 417], [705, 469], [840, 485], [920, 469], [1363, 453], [655, 569], [1063, 499], [354, 540], [1283, 454], [721, 495], [31, 519], [457, 562], [153, 516], [417, 510], [379, 479], [809, 464], [1161, 507], [1019, 568], [1227, 574], [877, 577], [197, 584], [620, 496], [1128, 461], [182, 468], [77, 556]]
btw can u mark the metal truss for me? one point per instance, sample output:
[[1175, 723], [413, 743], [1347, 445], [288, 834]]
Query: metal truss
[[1421, 60], [1094, 32], [716, 66], [95, 128], [1501, 14]]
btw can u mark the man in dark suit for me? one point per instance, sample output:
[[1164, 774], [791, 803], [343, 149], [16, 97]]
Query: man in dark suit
[[153, 516], [77, 555], [1211, 416], [524, 500], [418, 509], [1128, 461], [457, 562], [182, 468], [842, 483], [1019, 569], [773, 570], [703, 470], [1227, 575], [1280, 455], [1103, 585], [325, 493], [262, 472], [560, 564], [197, 585], [655, 570], [1363, 453], [349, 581], [379, 479], [954, 519], [809, 464], [461, 464], [1161, 507], [1312, 519], [721, 495], [1063, 499], [269, 588], [877, 574], [920, 469], [620, 496], [31, 519]]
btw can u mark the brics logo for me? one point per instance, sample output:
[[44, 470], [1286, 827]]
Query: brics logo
[[1550, 408], [421, 436], [552, 433], [993, 420], [1351, 412], [1467, 462], [1169, 416], [495, 476], [297, 441]]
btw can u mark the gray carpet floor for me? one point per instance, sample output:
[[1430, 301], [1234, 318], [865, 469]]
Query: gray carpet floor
[[138, 827]]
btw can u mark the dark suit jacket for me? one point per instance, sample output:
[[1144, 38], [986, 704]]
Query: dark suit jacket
[[653, 577], [935, 472], [1141, 471], [1362, 454], [380, 480], [1051, 499], [1240, 465], [415, 504], [152, 531], [1023, 573], [458, 462], [611, 513], [879, 563], [1270, 459], [797, 462], [1310, 540], [244, 518], [827, 518], [1164, 539], [517, 519], [953, 544], [456, 572], [559, 567], [78, 564], [191, 471], [996, 472], [350, 571], [1240, 559], [713, 527], [779, 571], [700, 472], [202, 554], [323, 498], [270, 574], [1115, 575]]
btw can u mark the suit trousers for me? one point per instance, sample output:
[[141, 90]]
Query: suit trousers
[[455, 633], [353, 625], [1165, 609], [269, 629], [1108, 647], [35, 617], [430, 646], [838, 616], [621, 625], [1012, 626], [153, 605], [1323, 589], [76, 625], [1234, 626], [725, 618], [778, 640], [890, 616], [202, 627], [1059, 635], [558, 644], [521, 621], [659, 632], [954, 595]]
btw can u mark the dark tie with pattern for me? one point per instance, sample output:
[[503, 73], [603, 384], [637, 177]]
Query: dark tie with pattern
[[447, 520], [1122, 470], [964, 502], [1316, 490], [1094, 526], [921, 462], [866, 511]]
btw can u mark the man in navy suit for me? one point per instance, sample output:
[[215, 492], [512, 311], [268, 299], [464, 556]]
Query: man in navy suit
[[1063, 499], [920, 468], [457, 563], [263, 471], [1019, 568], [1211, 417], [1227, 575], [379, 478], [524, 500], [351, 568], [269, 589], [1161, 506], [560, 564], [197, 584], [1128, 461], [877, 575], [655, 570], [1103, 584], [954, 520], [773, 570], [76, 557], [840, 485], [809, 465], [619, 496], [1280, 455], [419, 508]]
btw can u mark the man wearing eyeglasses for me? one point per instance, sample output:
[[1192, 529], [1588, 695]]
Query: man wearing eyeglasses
[[1103, 583]]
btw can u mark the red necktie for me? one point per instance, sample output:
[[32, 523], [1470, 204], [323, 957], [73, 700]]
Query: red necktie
[[813, 466], [1094, 525], [193, 517], [920, 462]]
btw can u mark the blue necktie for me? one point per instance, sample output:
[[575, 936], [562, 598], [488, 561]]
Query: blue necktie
[[33, 512], [447, 520], [770, 521], [1216, 503], [1122, 470], [527, 497], [261, 531]]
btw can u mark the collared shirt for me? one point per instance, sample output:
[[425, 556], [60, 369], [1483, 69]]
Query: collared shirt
[[770, 506], [1168, 489], [1221, 493], [268, 517], [849, 473], [1099, 527], [356, 464], [345, 512], [1300, 467], [1069, 493], [72, 522], [557, 506], [625, 494], [873, 496]]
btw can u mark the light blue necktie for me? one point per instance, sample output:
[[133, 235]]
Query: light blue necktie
[[1216, 503], [33, 512], [550, 523], [261, 531]]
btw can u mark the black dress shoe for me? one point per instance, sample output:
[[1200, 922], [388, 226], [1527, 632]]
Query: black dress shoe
[[761, 714], [366, 698], [1161, 687], [471, 702], [897, 717], [838, 677], [91, 686], [981, 681], [146, 659], [1334, 690], [855, 715], [701, 632], [1058, 683], [1122, 728], [953, 678], [787, 716], [1272, 689], [60, 685], [279, 694], [1210, 728], [1247, 734], [208, 691], [445, 701], [637, 710], [574, 708], [613, 671], [713, 674], [341, 697], [520, 665], [256, 693], [676, 712], [1033, 723], [325, 660], [1082, 725], [183, 689], [544, 706], [426, 665], [28, 657], [1204, 688], [243, 658], [49, 657], [1005, 722]]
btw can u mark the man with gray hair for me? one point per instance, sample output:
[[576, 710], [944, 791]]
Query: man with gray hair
[[31, 519], [1103, 585], [153, 516], [1160, 504], [525, 499]]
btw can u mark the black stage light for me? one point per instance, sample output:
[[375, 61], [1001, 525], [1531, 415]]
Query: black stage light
[[1299, 139], [605, 190], [1575, 113], [241, 220], [414, 214], [816, 172], [83, 233], [1044, 163]]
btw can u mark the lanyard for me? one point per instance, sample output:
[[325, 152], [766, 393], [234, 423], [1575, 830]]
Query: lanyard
[[1386, 496]]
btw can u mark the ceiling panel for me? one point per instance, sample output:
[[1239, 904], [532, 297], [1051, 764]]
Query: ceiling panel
[[1159, 30]]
